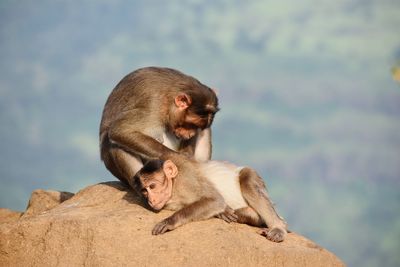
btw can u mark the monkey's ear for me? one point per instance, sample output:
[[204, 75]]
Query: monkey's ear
[[170, 169], [183, 101]]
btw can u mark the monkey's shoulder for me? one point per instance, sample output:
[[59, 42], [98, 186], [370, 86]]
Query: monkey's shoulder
[[181, 199]]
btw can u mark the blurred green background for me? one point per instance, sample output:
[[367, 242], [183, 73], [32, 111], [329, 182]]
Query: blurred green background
[[305, 87]]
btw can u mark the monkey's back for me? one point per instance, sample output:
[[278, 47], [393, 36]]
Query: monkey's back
[[144, 90], [225, 178]]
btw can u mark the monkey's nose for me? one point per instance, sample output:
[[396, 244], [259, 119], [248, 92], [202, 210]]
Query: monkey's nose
[[156, 206]]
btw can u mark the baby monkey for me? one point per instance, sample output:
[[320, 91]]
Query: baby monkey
[[202, 190]]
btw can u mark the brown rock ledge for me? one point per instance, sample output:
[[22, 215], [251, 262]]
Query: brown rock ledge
[[106, 225]]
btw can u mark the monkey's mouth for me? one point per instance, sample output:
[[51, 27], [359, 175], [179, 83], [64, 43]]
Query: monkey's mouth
[[156, 206], [183, 133]]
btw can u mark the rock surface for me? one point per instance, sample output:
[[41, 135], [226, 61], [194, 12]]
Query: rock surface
[[7, 215], [107, 225], [42, 200]]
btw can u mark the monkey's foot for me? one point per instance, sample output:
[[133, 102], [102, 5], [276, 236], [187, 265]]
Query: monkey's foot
[[228, 215], [276, 234]]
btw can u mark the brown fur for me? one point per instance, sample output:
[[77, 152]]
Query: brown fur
[[255, 193], [138, 111], [194, 198], [248, 216]]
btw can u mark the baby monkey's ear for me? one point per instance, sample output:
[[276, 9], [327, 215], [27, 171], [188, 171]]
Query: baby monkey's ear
[[170, 169]]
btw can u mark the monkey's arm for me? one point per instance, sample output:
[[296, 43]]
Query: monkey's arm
[[200, 147], [202, 209], [131, 137], [203, 147]]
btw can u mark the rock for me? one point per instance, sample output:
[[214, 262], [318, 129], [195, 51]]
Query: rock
[[107, 225], [7, 215], [43, 200]]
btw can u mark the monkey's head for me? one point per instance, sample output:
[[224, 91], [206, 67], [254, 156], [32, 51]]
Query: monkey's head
[[193, 109], [154, 182]]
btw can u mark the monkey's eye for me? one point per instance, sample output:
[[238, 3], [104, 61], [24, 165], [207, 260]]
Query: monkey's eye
[[203, 113], [152, 186]]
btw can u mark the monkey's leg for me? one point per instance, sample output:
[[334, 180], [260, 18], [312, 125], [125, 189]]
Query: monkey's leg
[[121, 164], [255, 193], [248, 215], [202, 209]]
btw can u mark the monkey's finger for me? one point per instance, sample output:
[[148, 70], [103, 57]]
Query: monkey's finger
[[164, 229], [233, 217], [228, 217], [157, 228], [276, 235], [263, 231], [154, 231], [158, 231], [225, 218]]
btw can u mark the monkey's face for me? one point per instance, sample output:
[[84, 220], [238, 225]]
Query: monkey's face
[[191, 121], [155, 182], [184, 133], [190, 115], [156, 189]]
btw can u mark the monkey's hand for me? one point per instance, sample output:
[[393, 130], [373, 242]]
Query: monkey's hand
[[275, 234], [163, 226], [228, 215]]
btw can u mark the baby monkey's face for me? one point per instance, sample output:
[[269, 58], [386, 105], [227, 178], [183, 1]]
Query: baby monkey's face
[[156, 186], [155, 190]]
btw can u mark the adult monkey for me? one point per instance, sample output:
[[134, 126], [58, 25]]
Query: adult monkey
[[150, 114]]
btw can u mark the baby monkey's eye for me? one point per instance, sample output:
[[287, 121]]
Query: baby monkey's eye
[[144, 192], [152, 186]]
